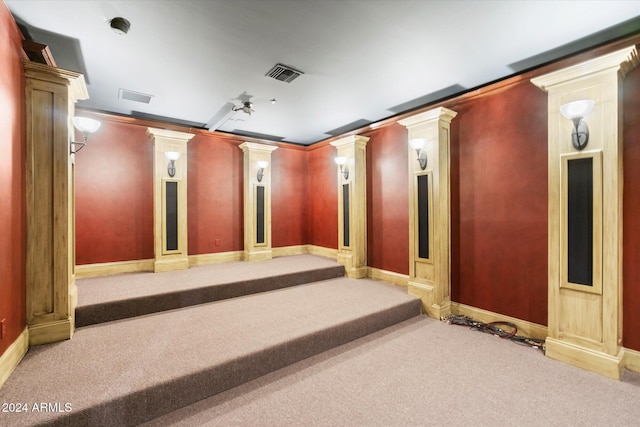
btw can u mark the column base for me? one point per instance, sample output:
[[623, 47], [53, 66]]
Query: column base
[[49, 332], [426, 295], [591, 360], [258, 255], [170, 264], [352, 271]]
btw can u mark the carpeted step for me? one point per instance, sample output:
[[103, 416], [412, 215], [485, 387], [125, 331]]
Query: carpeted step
[[129, 371], [103, 299]]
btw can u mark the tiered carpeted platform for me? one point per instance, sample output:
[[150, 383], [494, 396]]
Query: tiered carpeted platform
[[195, 334], [103, 299]]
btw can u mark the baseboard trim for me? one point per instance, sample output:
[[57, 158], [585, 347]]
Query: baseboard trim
[[322, 251], [632, 360], [13, 355], [388, 276], [525, 328], [215, 258], [290, 250], [111, 268]]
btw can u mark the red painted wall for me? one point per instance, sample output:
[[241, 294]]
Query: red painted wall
[[114, 195], [631, 211], [215, 195], [388, 199], [289, 191], [499, 203], [322, 181], [12, 181]]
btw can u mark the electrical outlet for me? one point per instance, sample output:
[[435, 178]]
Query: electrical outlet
[[217, 242], [3, 328]]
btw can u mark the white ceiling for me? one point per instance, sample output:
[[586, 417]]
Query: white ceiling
[[363, 60]]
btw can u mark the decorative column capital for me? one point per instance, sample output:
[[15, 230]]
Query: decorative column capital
[[169, 134], [440, 113], [253, 146], [352, 139]]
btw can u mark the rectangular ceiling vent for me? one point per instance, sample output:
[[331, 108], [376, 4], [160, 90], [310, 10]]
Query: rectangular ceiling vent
[[283, 73], [130, 95]]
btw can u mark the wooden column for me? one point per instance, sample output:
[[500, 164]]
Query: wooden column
[[51, 94], [170, 200], [257, 201], [429, 210], [585, 216], [352, 204]]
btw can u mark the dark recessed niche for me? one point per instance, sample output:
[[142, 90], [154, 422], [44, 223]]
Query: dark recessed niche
[[580, 221], [345, 215], [171, 215], [423, 216], [260, 214]]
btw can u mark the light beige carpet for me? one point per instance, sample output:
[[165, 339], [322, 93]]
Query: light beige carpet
[[423, 372]]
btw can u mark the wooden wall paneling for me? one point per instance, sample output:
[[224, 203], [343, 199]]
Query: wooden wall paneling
[[585, 322], [51, 94], [352, 205], [257, 194], [430, 277], [174, 258]]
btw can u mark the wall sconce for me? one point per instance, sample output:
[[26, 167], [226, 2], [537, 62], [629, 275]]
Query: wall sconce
[[262, 164], [86, 126], [172, 156], [344, 169], [418, 145], [575, 111]]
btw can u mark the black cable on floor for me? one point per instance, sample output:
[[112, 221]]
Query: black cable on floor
[[506, 330]]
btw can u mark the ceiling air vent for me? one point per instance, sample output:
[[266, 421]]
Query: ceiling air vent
[[283, 73], [130, 95]]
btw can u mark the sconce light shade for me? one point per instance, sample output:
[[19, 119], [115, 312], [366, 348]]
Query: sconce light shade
[[172, 155], [86, 126], [418, 143], [344, 169], [262, 164], [575, 111]]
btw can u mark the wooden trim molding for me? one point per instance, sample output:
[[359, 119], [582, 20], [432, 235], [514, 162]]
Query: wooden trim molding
[[111, 268], [290, 250], [322, 251], [631, 360], [525, 328], [13, 355], [38, 52], [215, 258], [392, 277]]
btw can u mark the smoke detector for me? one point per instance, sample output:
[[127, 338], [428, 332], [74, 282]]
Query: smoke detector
[[120, 25]]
